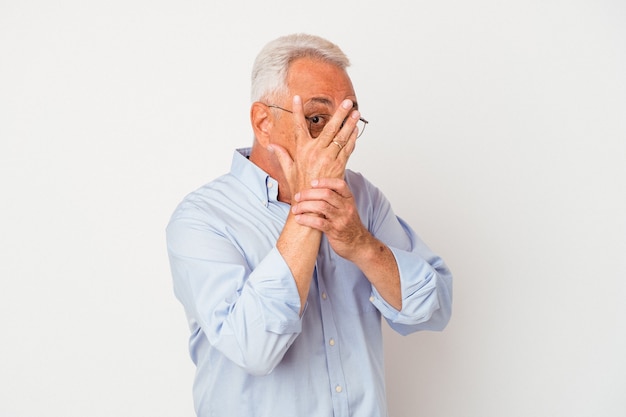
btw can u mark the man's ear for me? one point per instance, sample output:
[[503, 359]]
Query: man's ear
[[261, 119]]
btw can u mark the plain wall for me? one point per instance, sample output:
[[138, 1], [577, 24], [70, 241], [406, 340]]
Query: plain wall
[[498, 130]]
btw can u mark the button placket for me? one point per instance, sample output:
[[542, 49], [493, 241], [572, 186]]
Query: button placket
[[333, 358]]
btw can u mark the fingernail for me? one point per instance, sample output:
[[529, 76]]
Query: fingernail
[[347, 104], [314, 183], [355, 114], [297, 197]]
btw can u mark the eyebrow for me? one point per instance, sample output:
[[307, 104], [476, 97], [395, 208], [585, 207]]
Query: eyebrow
[[327, 102]]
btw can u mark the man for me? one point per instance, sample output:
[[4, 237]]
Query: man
[[286, 264]]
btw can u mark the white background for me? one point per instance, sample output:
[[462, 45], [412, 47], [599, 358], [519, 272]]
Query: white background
[[498, 130]]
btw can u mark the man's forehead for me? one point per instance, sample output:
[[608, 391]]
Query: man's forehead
[[321, 85]]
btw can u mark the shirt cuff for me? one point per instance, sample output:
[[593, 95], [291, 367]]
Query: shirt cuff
[[277, 294], [418, 281]]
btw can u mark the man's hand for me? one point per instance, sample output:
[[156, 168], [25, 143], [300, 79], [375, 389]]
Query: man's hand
[[323, 203], [329, 206], [323, 157]]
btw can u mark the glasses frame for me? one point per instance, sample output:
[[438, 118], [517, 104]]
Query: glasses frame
[[308, 119]]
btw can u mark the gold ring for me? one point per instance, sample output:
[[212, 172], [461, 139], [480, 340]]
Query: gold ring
[[338, 144]]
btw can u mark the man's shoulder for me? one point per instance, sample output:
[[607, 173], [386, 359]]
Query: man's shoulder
[[217, 187], [212, 194]]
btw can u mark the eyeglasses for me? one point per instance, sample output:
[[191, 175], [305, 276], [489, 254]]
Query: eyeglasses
[[317, 122]]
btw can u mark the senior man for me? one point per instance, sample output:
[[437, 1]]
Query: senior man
[[286, 264]]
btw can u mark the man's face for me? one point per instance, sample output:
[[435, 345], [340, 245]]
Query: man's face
[[321, 86]]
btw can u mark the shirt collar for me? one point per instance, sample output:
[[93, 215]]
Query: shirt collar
[[264, 187]]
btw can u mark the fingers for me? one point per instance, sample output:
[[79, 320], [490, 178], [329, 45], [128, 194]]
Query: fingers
[[326, 195], [337, 185], [318, 213], [339, 131], [342, 125], [328, 206], [346, 149], [344, 142], [301, 127]]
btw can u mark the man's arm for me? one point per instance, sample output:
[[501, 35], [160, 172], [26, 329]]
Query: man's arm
[[313, 158], [250, 313], [412, 286], [329, 207], [298, 245]]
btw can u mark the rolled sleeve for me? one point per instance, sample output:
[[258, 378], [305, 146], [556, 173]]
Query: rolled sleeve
[[250, 315], [426, 286], [277, 294]]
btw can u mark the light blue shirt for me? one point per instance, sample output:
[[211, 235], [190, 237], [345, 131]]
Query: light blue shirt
[[255, 355]]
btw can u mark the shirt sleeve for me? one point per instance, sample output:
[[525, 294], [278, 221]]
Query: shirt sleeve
[[426, 281], [250, 314], [426, 285]]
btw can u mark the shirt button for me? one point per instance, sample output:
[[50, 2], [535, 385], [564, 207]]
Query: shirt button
[[324, 295], [372, 299], [270, 185], [338, 388], [331, 342]]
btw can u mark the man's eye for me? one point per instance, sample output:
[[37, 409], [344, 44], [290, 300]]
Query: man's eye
[[318, 120], [317, 123]]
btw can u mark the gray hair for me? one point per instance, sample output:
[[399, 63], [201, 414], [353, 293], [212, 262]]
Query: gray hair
[[269, 73]]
